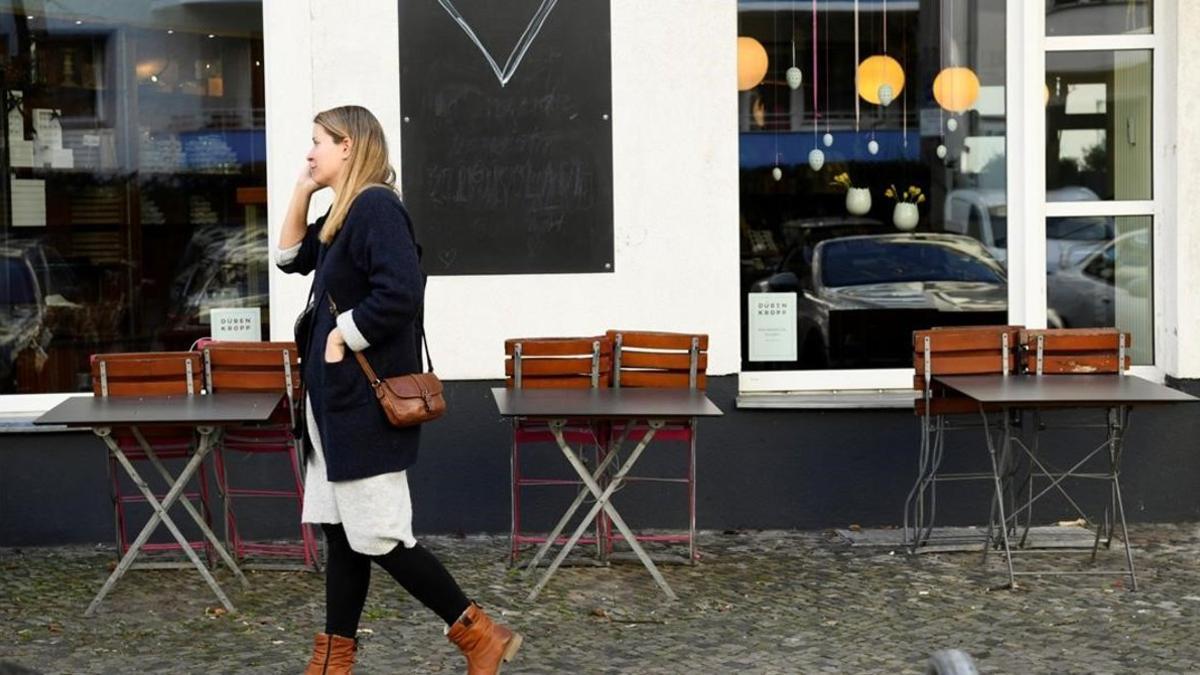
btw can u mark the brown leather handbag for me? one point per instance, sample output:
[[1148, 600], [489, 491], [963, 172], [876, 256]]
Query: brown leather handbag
[[407, 400]]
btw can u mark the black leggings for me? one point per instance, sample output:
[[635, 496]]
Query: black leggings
[[348, 575]]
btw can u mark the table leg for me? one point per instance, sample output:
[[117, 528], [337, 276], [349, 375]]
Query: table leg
[[602, 503], [1119, 421], [998, 499], [556, 428], [208, 438], [160, 514]]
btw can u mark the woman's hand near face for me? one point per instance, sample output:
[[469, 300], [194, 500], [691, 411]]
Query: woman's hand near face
[[305, 182], [335, 346]]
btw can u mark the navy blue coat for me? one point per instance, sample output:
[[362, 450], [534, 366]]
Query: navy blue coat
[[372, 268]]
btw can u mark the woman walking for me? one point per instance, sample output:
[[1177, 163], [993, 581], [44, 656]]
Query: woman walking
[[366, 265]]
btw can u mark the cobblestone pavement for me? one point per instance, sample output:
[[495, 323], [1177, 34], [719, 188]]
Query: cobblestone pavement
[[763, 602]]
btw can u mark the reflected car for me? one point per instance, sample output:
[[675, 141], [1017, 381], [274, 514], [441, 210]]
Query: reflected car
[[22, 310], [861, 297], [1086, 293], [222, 266], [983, 214]]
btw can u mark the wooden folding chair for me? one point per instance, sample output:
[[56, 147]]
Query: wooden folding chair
[[151, 374], [959, 350], [544, 363], [1071, 352], [257, 367], [665, 361]]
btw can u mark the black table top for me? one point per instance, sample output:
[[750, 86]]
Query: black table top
[[97, 411], [1063, 390], [604, 403]]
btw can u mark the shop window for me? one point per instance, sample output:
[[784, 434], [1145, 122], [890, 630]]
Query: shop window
[[133, 202], [924, 136]]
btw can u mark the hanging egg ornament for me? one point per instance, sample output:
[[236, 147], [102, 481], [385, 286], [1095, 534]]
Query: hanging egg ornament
[[794, 77], [777, 173], [941, 152], [816, 159], [827, 139], [952, 124], [873, 147], [886, 94]]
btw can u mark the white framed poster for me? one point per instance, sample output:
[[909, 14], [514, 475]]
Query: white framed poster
[[772, 324], [241, 324]]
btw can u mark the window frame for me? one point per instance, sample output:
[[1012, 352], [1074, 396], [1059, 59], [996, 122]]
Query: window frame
[[1025, 148]]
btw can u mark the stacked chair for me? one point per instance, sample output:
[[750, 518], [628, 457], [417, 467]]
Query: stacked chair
[[617, 359], [260, 367], [152, 374], [972, 350], [541, 363]]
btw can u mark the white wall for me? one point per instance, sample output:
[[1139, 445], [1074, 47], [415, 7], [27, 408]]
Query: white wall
[[1182, 164], [675, 177]]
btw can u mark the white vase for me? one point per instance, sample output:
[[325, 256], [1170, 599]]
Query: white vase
[[905, 216], [858, 201]]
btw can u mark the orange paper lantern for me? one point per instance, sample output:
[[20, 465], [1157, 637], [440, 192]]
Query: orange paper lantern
[[752, 63], [956, 88], [876, 71]]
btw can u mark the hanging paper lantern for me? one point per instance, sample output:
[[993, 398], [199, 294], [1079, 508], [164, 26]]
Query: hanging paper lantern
[[952, 124], [956, 88], [941, 152], [827, 139], [752, 63], [876, 71], [816, 159], [794, 77], [873, 147], [886, 95], [777, 173]]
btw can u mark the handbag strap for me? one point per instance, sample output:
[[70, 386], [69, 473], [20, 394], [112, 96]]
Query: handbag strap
[[362, 360]]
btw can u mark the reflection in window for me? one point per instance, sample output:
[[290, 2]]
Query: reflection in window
[[1098, 125], [858, 300], [1104, 278], [134, 197], [1098, 17]]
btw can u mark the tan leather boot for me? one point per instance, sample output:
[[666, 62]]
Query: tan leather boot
[[332, 655], [485, 644]]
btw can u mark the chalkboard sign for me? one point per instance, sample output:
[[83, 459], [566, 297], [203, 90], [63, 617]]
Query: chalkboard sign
[[506, 147]]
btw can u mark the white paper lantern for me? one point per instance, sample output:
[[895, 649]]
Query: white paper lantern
[[941, 152], [827, 139], [794, 77], [873, 147], [777, 173], [816, 159], [886, 94], [952, 124]]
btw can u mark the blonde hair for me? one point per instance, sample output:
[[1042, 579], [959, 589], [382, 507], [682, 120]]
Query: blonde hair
[[368, 164]]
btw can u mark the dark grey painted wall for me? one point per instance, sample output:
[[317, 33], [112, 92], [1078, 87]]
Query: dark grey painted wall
[[757, 469]]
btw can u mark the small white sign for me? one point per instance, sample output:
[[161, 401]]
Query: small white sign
[[241, 324], [772, 323]]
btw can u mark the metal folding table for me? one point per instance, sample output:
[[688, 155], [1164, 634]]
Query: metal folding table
[[653, 407], [208, 414], [1115, 393]]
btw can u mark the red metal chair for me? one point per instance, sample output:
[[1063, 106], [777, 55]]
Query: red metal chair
[[539, 363], [250, 367], [668, 361], [152, 374]]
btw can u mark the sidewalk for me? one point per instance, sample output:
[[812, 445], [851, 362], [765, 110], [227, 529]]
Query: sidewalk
[[761, 602]]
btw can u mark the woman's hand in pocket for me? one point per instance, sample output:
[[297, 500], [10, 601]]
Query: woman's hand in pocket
[[335, 346]]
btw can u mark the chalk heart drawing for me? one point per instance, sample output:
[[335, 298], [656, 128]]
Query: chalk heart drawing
[[518, 53]]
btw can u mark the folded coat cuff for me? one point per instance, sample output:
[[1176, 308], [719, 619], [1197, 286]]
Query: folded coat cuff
[[285, 256], [354, 337]]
